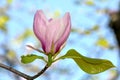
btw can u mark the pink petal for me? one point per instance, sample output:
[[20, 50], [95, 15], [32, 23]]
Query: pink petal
[[67, 27], [39, 26], [53, 29]]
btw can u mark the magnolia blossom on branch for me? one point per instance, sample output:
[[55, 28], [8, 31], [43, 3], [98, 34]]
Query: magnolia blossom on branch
[[52, 33]]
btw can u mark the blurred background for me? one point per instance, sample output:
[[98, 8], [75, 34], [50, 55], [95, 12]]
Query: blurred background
[[95, 33]]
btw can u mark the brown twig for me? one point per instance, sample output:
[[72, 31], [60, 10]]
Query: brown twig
[[15, 71], [23, 74], [35, 48], [41, 72]]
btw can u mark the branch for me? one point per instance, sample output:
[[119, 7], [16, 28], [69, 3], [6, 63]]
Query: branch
[[35, 49], [41, 72], [15, 71], [23, 74]]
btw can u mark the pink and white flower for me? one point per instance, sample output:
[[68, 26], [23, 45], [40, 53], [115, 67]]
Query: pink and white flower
[[52, 33]]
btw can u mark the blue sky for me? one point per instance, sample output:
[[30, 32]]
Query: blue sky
[[83, 17]]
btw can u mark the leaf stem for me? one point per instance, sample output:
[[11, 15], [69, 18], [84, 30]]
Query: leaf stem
[[50, 60]]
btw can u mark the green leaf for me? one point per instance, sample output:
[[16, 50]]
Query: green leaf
[[3, 20], [9, 1], [95, 28], [89, 65], [90, 2], [23, 36], [30, 58]]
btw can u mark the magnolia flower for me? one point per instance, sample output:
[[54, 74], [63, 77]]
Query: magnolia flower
[[52, 33]]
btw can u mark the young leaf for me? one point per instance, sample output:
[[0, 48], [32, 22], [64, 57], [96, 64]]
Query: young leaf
[[89, 65], [30, 58], [102, 42], [90, 2], [9, 1]]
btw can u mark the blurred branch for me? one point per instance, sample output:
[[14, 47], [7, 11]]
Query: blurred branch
[[23, 74], [115, 26]]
